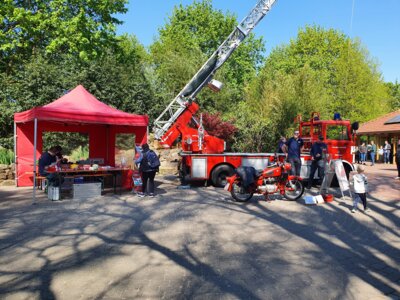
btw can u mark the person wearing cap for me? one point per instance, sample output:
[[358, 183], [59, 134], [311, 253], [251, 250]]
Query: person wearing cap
[[317, 152], [294, 146]]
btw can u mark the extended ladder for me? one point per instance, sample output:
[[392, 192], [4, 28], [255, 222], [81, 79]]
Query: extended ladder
[[206, 72]]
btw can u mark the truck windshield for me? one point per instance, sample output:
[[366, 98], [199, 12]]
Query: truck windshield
[[337, 132], [305, 131]]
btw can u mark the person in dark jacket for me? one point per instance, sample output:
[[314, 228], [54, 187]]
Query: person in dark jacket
[[282, 148], [46, 159], [398, 159], [318, 152], [147, 173], [294, 146]]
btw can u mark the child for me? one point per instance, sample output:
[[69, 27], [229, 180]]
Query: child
[[360, 185]]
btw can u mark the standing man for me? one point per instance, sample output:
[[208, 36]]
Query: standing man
[[398, 158], [372, 153], [386, 152], [318, 153], [294, 146], [149, 165]]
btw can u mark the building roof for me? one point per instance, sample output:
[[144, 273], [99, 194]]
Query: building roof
[[380, 125], [394, 120]]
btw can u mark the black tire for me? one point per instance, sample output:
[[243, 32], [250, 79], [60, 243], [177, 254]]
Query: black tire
[[294, 189], [239, 194], [219, 174]]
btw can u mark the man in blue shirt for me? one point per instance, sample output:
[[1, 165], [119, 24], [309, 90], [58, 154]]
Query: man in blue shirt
[[318, 152], [294, 146]]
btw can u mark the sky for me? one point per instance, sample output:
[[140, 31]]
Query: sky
[[375, 23]]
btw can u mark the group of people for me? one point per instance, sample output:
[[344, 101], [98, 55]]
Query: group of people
[[369, 151], [293, 148]]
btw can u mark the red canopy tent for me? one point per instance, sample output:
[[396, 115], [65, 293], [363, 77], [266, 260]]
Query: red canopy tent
[[77, 111]]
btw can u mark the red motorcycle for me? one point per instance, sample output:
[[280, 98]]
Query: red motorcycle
[[273, 179]]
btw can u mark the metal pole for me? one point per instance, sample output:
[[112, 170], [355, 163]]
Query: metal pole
[[15, 155], [34, 160]]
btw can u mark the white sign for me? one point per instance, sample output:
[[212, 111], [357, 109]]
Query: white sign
[[341, 175]]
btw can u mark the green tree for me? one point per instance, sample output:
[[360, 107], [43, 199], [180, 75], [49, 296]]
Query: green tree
[[80, 28], [116, 78], [321, 70], [394, 91], [192, 34]]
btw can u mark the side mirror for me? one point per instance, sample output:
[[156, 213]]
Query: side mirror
[[355, 126]]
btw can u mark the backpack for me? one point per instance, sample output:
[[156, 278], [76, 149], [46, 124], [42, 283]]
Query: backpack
[[152, 160]]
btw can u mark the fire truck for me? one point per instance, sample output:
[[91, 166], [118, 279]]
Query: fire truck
[[203, 156]]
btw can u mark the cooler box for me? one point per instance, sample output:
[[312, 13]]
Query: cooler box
[[127, 179], [87, 190], [53, 193], [137, 181]]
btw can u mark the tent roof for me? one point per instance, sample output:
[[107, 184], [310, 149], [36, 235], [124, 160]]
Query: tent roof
[[79, 106]]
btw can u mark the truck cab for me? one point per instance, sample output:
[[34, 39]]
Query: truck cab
[[338, 136]]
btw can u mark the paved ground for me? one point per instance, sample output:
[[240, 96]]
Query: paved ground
[[197, 244]]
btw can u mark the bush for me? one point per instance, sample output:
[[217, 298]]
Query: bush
[[6, 156], [80, 153]]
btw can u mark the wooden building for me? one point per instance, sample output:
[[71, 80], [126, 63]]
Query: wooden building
[[379, 130]]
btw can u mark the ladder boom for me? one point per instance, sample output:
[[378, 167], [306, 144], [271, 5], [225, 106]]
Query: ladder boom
[[168, 117]]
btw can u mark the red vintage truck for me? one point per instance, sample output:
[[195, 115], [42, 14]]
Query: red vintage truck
[[209, 164]]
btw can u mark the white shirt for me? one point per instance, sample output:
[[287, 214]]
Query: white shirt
[[360, 183]]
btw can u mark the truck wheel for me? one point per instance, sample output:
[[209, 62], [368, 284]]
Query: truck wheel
[[219, 175]]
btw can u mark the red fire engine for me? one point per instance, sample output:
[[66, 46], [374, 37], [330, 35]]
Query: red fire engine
[[203, 156]]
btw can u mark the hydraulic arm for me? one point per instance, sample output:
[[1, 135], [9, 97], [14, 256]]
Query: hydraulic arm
[[174, 120]]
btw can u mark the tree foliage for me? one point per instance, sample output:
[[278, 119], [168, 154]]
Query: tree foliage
[[321, 70], [116, 78], [81, 28], [394, 91], [215, 126], [192, 34]]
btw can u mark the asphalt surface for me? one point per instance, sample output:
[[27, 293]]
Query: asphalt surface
[[198, 244]]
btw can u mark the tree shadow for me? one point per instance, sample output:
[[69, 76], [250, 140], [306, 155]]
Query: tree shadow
[[245, 251]]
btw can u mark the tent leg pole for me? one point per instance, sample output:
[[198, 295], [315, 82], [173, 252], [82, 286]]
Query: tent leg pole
[[34, 160], [15, 156]]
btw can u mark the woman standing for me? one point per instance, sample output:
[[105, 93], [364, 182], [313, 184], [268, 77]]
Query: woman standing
[[363, 153]]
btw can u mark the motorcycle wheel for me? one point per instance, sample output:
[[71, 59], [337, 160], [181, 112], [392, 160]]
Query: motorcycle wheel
[[294, 189], [239, 194]]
